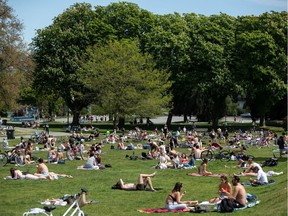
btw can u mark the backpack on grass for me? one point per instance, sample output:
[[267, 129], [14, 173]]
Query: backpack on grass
[[226, 205], [270, 162]]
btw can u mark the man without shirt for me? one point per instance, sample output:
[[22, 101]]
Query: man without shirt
[[239, 195]]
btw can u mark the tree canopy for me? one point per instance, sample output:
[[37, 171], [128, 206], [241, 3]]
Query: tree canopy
[[127, 81], [15, 65], [205, 59]]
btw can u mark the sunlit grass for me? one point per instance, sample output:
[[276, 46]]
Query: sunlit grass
[[18, 196]]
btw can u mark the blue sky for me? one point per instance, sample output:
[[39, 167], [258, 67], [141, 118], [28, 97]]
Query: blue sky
[[38, 14]]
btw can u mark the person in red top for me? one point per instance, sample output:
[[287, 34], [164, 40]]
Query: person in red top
[[224, 189]]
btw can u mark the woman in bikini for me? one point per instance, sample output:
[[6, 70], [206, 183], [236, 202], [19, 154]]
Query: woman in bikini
[[202, 170], [173, 201], [224, 189], [17, 174]]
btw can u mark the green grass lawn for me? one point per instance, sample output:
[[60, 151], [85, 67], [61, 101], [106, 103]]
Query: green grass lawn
[[17, 196]]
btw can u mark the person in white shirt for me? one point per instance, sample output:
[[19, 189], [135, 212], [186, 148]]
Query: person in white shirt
[[261, 177]]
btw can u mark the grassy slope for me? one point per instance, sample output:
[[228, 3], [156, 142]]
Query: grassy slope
[[19, 196]]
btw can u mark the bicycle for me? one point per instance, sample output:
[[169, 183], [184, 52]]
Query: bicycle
[[76, 207], [223, 155], [12, 156]]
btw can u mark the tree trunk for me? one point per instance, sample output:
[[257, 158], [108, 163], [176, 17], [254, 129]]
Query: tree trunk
[[262, 121], [147, 121], [76, 116], [121, 123], [169, 119], [185, 118], [215, 123]]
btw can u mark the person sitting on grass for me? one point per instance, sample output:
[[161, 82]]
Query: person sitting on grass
[[249, 171], [196, 152], [42, 170], [261, 177], [143, 181], [91, 162], [239, 194], [173, 200], [202, 170], [186, 162], [224, 189]]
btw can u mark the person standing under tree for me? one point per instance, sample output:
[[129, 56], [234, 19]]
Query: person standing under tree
[[281, 143]]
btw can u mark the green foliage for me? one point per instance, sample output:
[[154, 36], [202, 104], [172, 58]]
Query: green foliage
[[260, 58], [57, 50], [15, 64], [126, 80], [231, 107], [207, 58]]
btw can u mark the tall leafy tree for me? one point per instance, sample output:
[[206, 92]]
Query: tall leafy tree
[[128, 20], [127, 81], [57, 50], [261, 61], [168, 44], [15, 64], [209, 72]]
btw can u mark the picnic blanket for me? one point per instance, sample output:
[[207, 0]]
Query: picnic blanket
[[248, 205], [161, 210], [200, 209], [82, 168], [10, 178], [58, 202], [256, 185]]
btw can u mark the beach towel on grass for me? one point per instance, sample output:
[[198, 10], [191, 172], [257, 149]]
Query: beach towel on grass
[[58, 202], [248, 205], [254, 185], [161, 210], [10, 178], [82, 168]]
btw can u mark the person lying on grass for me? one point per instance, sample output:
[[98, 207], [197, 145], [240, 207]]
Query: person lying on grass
[[69, 199], [17, 174], [173, 200], [143, 181]]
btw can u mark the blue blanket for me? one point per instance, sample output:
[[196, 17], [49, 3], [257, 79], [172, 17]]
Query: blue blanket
[[256, 185]]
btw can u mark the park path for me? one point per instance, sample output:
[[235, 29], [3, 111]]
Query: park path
[[28, 132]]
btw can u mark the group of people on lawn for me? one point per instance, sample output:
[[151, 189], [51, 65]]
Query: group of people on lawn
[[174, 199], [168, 158]]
